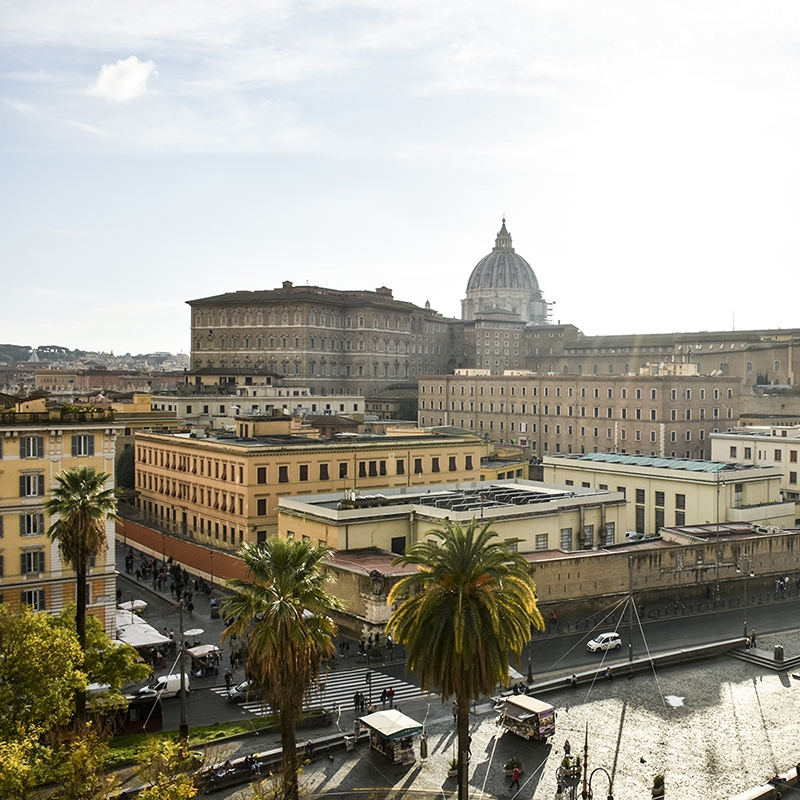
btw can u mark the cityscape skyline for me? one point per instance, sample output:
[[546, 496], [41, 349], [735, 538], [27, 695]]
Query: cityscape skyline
[[643, 158]]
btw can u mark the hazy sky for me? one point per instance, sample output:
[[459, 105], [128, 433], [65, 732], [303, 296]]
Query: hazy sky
[[645, 154]]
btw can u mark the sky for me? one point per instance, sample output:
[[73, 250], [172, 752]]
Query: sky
[[645, 156]]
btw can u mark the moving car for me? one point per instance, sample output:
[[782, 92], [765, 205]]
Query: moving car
[[165, 686], [604, 641]]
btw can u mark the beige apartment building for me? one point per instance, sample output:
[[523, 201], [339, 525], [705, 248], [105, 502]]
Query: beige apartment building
[[666, 415], [222, 489], [668, 492], [775, 446], [36, 444]]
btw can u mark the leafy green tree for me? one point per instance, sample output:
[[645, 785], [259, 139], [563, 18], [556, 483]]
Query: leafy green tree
[[470, 604], [283, 607], [81, 504], [107, 661], [40, 671], [77, 766], [167, 767], [18, 771]]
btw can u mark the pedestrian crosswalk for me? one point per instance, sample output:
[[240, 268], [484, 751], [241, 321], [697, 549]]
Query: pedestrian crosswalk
[[336, 691]]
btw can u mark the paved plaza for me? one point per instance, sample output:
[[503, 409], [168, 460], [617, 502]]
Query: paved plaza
[[714, 729]]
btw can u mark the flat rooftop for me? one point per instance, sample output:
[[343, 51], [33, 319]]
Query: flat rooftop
[[657, 462]]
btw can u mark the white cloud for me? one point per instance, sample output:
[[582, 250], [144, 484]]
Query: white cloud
[[126, 80]]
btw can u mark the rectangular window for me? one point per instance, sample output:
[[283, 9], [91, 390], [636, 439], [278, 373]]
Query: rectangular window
[[82, 445], [261, 506], [435, 464], [640, 519], [31, 562], [659, 519], [303, 472], [31, 447], [261, 474], [660, 499], [733, 452], [323, 472], [452, 463], [283, 474], [640, 495], [468, 463], [566, 539], [793, 456], [418, 466], [680, 518], [541, 541], [778, 455], [611, 530], [33, 598], [31, 524], [792, 477], [31, 485], [342, 469], [362, 469], [400, 466], [680, 501]]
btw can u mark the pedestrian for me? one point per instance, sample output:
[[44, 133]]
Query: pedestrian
[[515, 779], [567, 747], [573, 681], [138, 575], [356, 701], [455, 712], [233, 659], [384, 698], [609, 674], [228, 679], [752, 638], [309, 749], [390, 696]]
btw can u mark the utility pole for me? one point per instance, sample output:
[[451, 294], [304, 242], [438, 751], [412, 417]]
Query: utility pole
[[630, 609], [183, 732]]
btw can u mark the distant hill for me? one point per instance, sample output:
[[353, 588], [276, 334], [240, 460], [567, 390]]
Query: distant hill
[[11, 353]]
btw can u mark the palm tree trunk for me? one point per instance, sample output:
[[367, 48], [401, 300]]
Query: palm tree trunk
[[80, 628], [463, 746], [289, 763]]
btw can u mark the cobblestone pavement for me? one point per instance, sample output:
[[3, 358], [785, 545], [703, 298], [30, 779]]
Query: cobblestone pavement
[[714, 729]]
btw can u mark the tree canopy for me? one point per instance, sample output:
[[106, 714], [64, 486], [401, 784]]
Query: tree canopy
[[470, 604], [283, 609]]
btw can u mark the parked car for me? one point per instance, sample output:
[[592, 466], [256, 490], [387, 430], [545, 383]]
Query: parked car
[[241, 693], [604, 641], [165, 686]]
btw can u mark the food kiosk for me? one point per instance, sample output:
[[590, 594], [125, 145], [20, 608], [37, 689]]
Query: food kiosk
[[526, 716], [392, 733]]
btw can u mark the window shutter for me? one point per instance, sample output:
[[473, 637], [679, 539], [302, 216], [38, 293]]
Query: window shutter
[[22, 486], [22, 527], [40, 555], [1, 527], [1, 448], [40, 485], [23, 564], [22, 452], [74, 446], [40, 446], [90, 441], [40, 523]]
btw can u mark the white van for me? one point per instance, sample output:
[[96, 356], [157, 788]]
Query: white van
[[165, 686]]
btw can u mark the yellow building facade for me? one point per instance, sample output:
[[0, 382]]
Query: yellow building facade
[[665, 492], [36, 444], [222, 489]]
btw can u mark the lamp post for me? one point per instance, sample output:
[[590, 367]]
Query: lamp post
[[749, 572]]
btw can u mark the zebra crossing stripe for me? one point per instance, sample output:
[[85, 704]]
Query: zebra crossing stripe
[[338, 689]]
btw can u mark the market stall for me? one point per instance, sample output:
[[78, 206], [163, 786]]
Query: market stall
[[526, 716], [392, 733], [205, 660]]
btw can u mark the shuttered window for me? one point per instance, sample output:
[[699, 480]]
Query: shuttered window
[[31, 447], [82, 445]]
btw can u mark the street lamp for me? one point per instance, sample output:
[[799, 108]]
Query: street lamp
[[749, 573], [589, 795]]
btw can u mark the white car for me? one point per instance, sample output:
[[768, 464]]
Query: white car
[[604, 641]]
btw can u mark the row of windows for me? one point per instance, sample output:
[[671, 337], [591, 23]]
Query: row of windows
[[365, 469], [333, 320], [29, 525], [33, 446], [637, 394]]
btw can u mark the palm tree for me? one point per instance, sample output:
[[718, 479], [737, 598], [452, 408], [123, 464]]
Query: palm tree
[[81, 504], [283, 609], [471, 602]]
